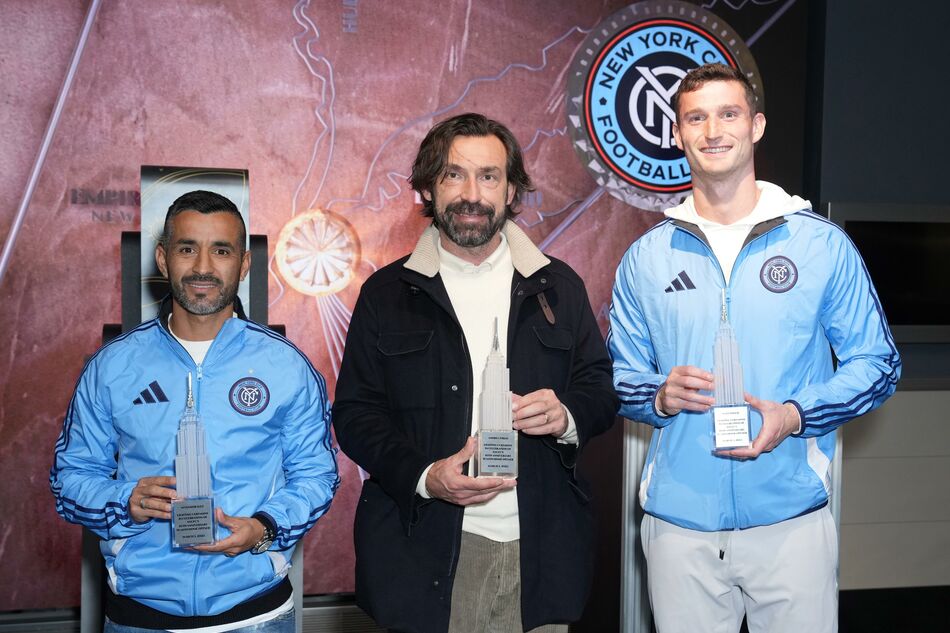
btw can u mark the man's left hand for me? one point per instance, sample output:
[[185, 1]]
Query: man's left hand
[[538, 413], [246, 532], [778, 422]]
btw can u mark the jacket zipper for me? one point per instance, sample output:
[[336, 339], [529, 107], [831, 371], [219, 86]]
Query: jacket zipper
[[189, 361], [727, 288], [466, 432], [464, 437], [516, 304], [470, 388]]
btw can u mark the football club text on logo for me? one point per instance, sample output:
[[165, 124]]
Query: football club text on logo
[[620, 89], [249, 396], [778, 274], [627, 101]]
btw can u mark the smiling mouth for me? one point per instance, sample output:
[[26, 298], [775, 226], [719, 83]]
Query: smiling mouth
[[202, 285], [716, 150], [469, 210]]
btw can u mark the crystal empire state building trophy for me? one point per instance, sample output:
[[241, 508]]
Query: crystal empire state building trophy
[[497, 441], [193, 520], [730, 413]]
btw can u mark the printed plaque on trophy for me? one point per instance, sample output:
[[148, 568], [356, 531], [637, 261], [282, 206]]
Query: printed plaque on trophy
[[730, 413], [193, 520], [497, 441]]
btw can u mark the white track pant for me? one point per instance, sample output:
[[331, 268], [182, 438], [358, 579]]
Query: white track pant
[[783, 576]]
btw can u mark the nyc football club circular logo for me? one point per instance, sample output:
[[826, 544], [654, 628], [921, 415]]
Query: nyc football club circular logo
[[249, 396], [619, 91], [778, 274]]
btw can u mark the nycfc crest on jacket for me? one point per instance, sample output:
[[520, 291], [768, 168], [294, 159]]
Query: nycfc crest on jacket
[[249, 396], [266, 416], [798, 288], [779, 274]]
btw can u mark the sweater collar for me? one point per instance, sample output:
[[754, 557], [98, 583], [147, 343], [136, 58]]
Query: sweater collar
[[449, 263], [773, 203], [525, 256]]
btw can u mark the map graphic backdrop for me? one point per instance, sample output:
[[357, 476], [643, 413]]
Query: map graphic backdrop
[[324, 102]]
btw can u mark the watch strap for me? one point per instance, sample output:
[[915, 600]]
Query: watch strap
[[270, 531]]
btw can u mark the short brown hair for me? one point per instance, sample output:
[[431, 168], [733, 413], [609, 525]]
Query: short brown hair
[[697, 77], [433, 154]]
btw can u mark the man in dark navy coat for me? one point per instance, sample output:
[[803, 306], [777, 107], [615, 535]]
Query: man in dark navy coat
[[437, 549]]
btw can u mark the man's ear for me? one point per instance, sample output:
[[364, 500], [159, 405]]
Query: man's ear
[[758, 127], [427, 195], [160, 260], [245, 264], [676, 136]]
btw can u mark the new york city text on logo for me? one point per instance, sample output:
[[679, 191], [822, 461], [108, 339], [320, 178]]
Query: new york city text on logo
[[778, 274], [620, 89], [249, 396]]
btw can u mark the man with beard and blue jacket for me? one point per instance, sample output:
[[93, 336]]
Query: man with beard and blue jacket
[[438, 549], [266, 419], [743, 531]]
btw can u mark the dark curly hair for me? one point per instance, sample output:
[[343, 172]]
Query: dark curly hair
[[429, 165]]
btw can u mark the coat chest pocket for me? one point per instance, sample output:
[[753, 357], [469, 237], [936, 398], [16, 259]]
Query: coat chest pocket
[[409, 368], [398, 344], [555, 338], [552, 359]]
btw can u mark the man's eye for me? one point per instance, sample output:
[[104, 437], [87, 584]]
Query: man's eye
[[696, 118], [729, 115], [490, 181], [452, 175], [222, 252], [186, 250]]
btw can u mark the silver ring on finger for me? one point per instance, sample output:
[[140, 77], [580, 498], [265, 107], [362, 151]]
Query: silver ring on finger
[[142, 503]]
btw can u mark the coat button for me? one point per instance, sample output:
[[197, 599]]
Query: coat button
[[435, 583], [455, 387], [544, 280], [520, 292]]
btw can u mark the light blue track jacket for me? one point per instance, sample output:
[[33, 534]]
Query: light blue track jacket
[[798, 289], [269, 447]]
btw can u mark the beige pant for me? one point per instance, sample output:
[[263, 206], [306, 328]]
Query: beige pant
[[486, 596]]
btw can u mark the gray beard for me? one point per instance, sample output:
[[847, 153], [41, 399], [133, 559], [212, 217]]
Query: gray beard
[[202, 307], [468, 236]]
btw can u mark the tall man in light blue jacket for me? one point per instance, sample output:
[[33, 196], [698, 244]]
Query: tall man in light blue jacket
[[743, 531]]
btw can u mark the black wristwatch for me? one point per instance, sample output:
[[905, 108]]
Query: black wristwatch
[[270, 533]]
